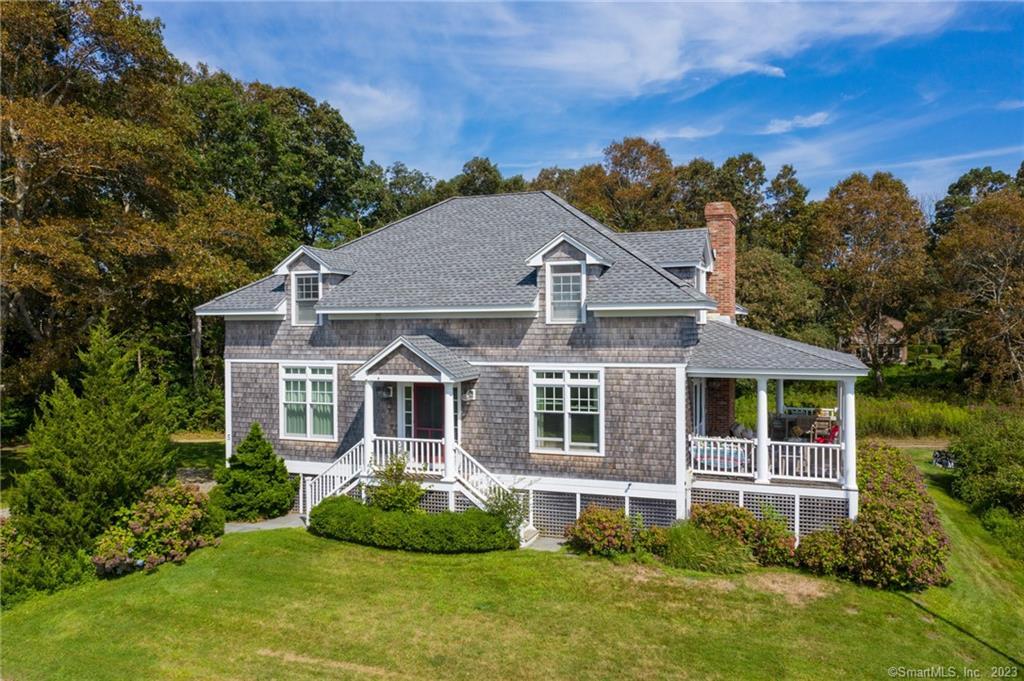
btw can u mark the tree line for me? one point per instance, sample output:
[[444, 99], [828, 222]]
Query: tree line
[[135, 186]]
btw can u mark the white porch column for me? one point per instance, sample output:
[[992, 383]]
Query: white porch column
[[681, 469], [762, 430], [849, 436], [368, 422], [449, 431], [780, 399]]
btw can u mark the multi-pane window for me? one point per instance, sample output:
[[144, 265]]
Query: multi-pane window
[[567, 411], [307, 409], [566, 293], [307, 293]]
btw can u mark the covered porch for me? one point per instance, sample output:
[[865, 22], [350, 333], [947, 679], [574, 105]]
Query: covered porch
[[788, 445], [791, 444]]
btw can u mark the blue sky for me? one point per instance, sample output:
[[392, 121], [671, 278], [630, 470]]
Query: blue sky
[[924, 90]]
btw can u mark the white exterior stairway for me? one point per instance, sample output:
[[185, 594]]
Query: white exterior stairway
[[424, 457]]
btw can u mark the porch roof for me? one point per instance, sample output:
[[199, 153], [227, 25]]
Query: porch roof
[[449, 363], [726, 348]]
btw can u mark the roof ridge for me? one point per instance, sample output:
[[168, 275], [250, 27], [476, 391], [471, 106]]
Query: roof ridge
[[665, 231], [612, 235], [796, 345], [240, 288]]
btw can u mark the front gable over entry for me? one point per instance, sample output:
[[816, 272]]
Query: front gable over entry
[[417, 359]]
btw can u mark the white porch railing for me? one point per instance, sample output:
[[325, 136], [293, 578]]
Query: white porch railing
[[722, 455], [421, 455], [811, 461], [805, 461], [337, 478], [827, 412], [474, 476]]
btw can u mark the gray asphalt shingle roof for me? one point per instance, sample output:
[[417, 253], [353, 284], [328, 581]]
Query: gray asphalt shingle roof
[[450, 362], [472, 251], [726, 346], [676, 246], [260, 296], [336, 260]]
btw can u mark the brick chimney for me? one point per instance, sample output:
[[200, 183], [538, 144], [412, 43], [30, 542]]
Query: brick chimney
[[720, 217]]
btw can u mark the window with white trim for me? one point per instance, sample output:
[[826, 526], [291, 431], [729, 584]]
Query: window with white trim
[[307, 293], [565, 293], [307, 402], [567, 411]]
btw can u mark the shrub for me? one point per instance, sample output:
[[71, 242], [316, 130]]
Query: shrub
[[771, 541], [897, 540], [692, 547], [821, 553], [472, 531], [166, 525], [29, 567], [396, 488], [510, 507], [1008, 529], [256, 483], [652, 540], [768, 539], [601, 532], [989, 456], [92, 451]]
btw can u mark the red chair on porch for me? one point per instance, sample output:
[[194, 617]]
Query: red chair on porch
[[831, 437]]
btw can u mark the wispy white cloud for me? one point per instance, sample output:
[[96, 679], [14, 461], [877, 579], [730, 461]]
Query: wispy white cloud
[[778, 126], [1010, 104], [685, 132], [368, 107]]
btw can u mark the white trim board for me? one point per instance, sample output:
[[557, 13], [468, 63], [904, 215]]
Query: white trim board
[[591, 255], [589, 486], [805, 374], [282, 267], [771, 488]]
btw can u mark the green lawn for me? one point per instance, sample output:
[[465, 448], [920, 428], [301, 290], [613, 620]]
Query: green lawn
[[285, 604], [987, 594]]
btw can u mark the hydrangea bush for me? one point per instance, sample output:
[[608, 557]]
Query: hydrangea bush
[[166, 525]]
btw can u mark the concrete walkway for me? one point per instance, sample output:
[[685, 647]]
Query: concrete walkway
[[290, 520], [546, 544]]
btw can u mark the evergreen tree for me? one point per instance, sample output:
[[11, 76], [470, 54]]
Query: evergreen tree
[[256, 484], [95, 451]]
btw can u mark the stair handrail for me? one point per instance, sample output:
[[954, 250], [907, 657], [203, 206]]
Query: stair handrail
[[342, 471]]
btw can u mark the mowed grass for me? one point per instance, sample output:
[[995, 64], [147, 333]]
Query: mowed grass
[[987, 594], [287, 605]]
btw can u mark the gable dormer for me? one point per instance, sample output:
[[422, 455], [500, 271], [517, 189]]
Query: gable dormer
[[307, 272], [566, 262]]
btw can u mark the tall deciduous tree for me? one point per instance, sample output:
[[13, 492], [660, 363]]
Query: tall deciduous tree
[[696, 186], [968, 189], [787, 216], [779, 297], [982, 264], [869, 256], [277, 148]]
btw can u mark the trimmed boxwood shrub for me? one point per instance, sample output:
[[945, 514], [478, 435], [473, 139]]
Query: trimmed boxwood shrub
[[166, 525], [471, 531], [692, 547]]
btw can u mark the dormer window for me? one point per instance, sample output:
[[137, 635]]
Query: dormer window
[[306, 294], [566, 284]]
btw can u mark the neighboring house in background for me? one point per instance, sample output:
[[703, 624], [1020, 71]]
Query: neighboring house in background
[[514, 341], [893, 343]]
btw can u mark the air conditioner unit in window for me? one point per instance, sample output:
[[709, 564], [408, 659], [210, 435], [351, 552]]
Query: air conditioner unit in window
[[388, 392], [469, 395]]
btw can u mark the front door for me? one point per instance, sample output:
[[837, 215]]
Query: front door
[[428, 411]]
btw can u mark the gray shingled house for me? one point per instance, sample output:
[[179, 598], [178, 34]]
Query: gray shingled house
[[514, 341]]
